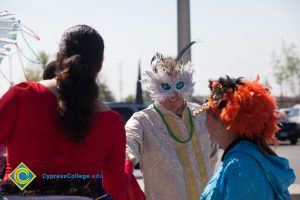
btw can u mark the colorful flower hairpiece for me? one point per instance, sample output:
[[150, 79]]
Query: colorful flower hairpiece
[[219, 88], [246, 108]]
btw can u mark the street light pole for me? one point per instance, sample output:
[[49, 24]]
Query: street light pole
[[121, 83], [183, 27]]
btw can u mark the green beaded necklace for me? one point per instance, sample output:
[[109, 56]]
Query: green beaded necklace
[[170, 130]]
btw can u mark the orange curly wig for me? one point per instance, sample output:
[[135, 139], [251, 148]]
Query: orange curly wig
[[246, 108]]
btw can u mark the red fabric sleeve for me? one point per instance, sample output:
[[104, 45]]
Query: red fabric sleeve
[[118, 178], [115, 180], [133, 191], [128, 166], [9, 105]]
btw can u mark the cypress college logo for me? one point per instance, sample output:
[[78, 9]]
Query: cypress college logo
[[22, 176]]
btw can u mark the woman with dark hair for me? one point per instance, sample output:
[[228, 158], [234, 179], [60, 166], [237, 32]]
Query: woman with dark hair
[[62, 133], [50, 71], [242, 119]]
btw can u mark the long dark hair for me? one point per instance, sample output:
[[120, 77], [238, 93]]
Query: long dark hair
[[79, 60]]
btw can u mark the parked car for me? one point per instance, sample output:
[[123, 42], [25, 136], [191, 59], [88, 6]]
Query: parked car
[[283, 118], [126, 110], [289, 131], [294, 114], [290, 126]]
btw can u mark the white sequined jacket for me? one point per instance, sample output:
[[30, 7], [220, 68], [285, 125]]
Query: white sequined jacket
[[171, 170]]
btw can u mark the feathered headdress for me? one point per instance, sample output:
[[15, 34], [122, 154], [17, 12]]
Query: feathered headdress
[[246, 108], [9, 28], [169, 75]]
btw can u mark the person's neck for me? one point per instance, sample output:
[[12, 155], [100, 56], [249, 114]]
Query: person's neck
[[51, 84], [227, 139], [176, 110]]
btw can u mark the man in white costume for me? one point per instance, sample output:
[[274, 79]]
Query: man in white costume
[[175, 154]]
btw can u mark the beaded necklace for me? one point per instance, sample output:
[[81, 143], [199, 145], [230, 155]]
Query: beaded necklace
[[170, 130]]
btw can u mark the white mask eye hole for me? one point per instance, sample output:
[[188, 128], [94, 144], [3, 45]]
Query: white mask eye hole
[[179, 85], [165, 86]]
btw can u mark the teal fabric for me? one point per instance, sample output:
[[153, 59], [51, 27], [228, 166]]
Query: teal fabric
[[247, 173]]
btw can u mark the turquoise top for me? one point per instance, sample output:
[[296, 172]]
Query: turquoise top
[[247, 173]]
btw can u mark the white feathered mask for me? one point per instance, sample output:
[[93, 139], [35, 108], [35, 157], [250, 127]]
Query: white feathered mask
[[169, 75]]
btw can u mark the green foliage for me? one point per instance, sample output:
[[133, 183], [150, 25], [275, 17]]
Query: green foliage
[[33, 75], [129, 99], [44, 58], [105, 94], [287, 69], [146, 96], [36, 74]]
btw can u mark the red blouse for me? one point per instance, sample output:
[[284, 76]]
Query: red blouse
[[30, 130]]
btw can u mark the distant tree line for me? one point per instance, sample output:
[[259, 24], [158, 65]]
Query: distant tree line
[[286, 69], [286, 66], [35, 74]]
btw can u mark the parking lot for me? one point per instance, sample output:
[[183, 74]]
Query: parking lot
[[284, 149]]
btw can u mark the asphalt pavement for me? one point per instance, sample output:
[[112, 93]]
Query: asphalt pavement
[[284, 149]]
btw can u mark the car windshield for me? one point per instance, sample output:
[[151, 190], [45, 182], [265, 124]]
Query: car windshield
[[293, 112], [126, 110], [141, 108]]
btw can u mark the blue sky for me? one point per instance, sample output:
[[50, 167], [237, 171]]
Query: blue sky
[[238, 36]]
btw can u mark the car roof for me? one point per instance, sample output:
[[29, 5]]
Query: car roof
[[126, 105], [126, 110], [296, 106]]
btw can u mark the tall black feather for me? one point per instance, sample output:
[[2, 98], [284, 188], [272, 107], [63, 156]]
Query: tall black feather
[[184, 49]]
